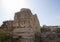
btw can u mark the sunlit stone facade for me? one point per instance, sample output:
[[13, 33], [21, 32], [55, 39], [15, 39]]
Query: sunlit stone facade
[[24, 26]]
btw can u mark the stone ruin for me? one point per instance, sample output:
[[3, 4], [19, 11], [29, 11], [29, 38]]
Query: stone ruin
[[26, 28], [50, 34], [23, 27]]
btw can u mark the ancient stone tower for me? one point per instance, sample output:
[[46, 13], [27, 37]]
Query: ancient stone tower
[[24, 26]]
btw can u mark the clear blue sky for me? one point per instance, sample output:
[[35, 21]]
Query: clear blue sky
[[48, 11]]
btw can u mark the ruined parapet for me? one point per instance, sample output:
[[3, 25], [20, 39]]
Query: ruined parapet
[[23, 13], [25, 19]]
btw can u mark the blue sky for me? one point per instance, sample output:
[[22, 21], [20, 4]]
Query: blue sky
[[48, 11]]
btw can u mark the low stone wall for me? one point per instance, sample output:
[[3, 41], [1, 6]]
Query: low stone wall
[[48, 35]]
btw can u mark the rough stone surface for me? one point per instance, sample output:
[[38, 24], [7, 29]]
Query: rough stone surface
[[24, 26], [50, 34]]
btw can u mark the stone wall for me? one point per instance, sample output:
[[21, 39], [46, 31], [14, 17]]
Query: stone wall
[[24, 26], [50, 36]]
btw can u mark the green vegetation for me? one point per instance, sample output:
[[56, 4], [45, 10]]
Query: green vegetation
[[42, 29], [3, 35]]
